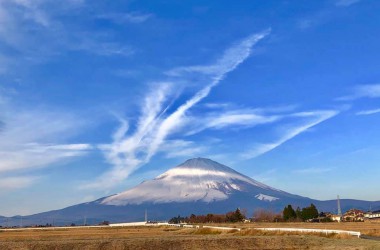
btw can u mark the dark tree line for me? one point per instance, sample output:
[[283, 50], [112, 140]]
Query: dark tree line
[[234, 216], [288, 214], [304, 214]]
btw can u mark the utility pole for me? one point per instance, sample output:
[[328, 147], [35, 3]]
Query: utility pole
[[339, 209]]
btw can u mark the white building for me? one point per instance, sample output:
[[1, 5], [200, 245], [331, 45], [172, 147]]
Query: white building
[[335, 217], [372, 215]]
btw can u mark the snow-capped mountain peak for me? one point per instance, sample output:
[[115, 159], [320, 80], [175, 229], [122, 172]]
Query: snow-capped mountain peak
[[197, 179]]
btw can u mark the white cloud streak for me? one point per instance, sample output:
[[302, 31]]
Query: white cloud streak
[[99, 48], [229, 61], [31, 139], [122, 18], [368, 112], [31, 11], [18, 17], [129, 152], [26, 25], [363, 91], [317, 117], [32, 126], [11, 183], [32, 156], [219, 120]]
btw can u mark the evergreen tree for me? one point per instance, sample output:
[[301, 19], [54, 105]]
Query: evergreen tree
[[289, 213], [177, 220], [313, 211], [299, 213], [236, 216], [310, 212], [239, 216]]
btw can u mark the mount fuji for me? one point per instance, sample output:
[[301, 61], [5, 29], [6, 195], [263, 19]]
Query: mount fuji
[[197, 180], [197, 186]]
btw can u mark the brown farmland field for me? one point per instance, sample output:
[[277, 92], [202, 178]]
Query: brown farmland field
[[187, 238]]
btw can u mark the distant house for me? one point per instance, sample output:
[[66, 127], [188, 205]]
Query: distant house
[[335, 217], [354, 215], [375, 215], [331, 216]]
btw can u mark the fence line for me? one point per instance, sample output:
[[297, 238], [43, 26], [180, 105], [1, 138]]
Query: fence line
[[223, 228], [308, 230]]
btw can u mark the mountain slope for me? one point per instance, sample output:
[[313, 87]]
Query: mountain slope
[[198, 186], [196, 179]]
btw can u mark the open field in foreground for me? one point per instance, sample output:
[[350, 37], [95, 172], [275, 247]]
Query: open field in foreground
[[179, 238]]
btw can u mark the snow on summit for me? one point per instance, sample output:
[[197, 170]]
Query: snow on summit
[[208, 168], [197, 179]]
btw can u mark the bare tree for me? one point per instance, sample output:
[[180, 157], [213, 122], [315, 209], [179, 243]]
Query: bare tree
[[262, 215]]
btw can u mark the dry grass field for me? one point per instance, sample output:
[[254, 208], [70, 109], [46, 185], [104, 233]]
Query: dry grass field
[[186, 238]]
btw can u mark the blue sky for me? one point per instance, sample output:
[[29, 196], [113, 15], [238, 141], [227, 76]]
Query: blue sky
[[97, 96]]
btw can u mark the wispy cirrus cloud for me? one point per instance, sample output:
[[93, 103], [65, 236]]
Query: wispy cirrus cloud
[[240, 118], [183, 148], [316, 19], [230, 60], [160, 120], [128, 152], [368, 112], [323, 16], [31, 12], [34, 139], [32, 156], [26, 25], [19, 182], [362, 91], [244, 118], [314, 118], [19, 17], [122, 18], [102, 48], [23, 126]]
